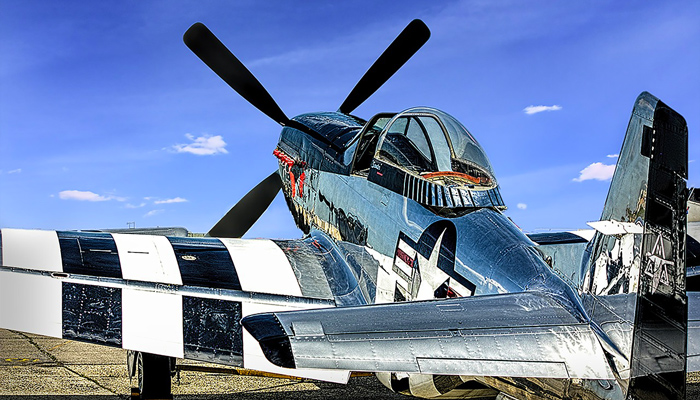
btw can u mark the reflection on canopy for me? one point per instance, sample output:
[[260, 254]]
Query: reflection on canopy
[[434, 145]]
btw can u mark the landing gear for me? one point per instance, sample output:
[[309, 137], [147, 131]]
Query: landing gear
[[153, 375]]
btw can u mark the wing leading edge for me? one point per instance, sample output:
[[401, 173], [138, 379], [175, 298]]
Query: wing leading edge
[[518, 335]]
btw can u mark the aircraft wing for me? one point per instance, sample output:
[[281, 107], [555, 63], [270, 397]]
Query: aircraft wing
[[517, 335], [174, 296]]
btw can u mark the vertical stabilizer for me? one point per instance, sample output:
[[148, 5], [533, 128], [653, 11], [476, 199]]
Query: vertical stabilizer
[[636, 269]]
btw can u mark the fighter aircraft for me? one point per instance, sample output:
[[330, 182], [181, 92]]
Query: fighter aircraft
[[408, 267]]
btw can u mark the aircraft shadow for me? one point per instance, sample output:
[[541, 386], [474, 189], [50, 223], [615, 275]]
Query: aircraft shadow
[[360, 390]]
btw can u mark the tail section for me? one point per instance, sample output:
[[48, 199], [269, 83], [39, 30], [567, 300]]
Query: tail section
[[635, 274]]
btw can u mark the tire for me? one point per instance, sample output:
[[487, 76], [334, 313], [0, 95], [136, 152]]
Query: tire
[[153, 372]]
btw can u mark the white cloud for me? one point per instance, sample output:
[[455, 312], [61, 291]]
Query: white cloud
[[128, 205], [15, 171], [522, 206], [81, 196], [529, 110], [170, 201], [613, 155], [597, 171], [205, 145], [152, 213], [86, 195]]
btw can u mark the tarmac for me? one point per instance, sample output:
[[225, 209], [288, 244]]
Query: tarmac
[[35, 367]]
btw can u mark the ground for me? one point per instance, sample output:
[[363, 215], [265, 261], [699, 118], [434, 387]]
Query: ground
[[41, 368]]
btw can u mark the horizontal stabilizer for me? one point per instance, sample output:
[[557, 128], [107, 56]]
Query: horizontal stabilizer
[[573, 237], [616, 227], [518, 335]]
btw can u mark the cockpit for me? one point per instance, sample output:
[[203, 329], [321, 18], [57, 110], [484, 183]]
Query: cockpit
[[426, 154], [421, 153]]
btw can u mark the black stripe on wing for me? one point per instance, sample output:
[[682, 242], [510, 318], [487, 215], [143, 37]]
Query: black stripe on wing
[[205, 262], [89, 253]]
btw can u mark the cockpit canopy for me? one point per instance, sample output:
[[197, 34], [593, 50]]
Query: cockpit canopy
[[421, 153], [435, 146]]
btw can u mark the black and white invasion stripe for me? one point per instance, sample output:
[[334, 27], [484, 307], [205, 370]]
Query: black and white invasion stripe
[[180, 297]]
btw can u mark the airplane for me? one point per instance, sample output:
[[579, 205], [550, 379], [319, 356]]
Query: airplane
[[408, 267]]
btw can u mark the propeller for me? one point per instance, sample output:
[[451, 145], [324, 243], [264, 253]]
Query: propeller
[[209, 49], [246, 212], [412, 38], [216, 56]]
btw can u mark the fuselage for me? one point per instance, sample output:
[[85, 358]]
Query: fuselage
[[433, 238], [336, 181]]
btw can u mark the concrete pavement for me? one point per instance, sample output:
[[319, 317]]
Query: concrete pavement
[[40, 368]]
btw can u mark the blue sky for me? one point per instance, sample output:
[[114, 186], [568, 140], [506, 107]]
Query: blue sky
[[107, 118]]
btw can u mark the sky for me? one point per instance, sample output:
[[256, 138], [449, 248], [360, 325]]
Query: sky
[[107, 119]]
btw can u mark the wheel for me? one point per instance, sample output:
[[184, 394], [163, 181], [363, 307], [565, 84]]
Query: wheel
[[153, 376]]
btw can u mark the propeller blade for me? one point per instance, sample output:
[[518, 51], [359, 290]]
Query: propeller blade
[[248, 210], [412, 38], [209, 49]]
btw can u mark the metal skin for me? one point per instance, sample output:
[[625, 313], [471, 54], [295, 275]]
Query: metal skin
[[330, 201], [408, 268], [481, 252]]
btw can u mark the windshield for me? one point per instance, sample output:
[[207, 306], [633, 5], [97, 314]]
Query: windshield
[[434, 145]]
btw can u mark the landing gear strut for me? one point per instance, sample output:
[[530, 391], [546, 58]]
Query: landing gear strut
[[153, 375]]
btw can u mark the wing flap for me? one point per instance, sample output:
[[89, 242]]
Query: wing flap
[[525, 334], [479, 367]]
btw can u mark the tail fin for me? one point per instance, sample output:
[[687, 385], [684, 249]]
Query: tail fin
[[635, 275]]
